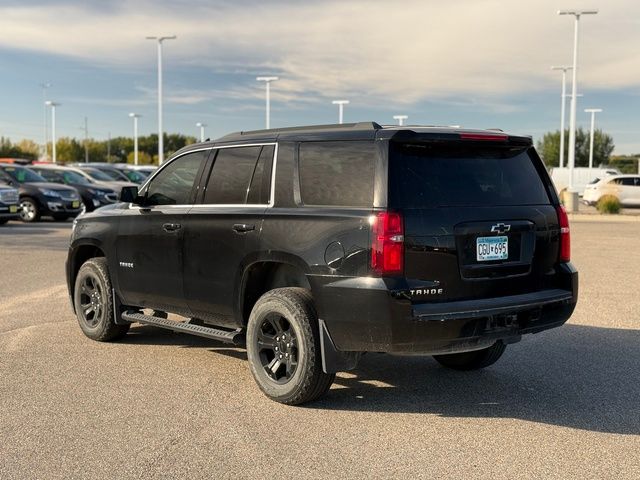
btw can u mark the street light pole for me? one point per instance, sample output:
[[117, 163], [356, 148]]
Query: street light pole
[[135, 117], [574, 89], [341, 104], [563, 103], [44, 87], [400, 119], [201, 125], [160, 131], [593, 112], [267, 81], [53, 106]]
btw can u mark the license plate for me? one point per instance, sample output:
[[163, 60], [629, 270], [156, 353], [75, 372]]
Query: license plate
[[492, 248], [13, 209], [75, 204]]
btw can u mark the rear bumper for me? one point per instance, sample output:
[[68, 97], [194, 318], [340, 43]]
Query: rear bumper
[[366, 314]]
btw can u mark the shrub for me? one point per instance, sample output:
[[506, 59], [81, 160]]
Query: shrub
[[608, 204]]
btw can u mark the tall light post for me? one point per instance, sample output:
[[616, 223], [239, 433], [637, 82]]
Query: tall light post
[[593, 112], [400, 119], [201, 125], [563, 103], [135, 117], [341, 104], [44, 87], [159, 40], [85, 128], [267, 81], [53, 106], [574, 89]]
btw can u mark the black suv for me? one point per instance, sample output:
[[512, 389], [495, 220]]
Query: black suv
[[93, 196], [313, 245], [40, 198], [9, 203]]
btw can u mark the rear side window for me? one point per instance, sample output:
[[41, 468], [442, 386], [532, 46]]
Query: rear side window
[[231, 175], [337, 173], [260, 188], [427, 176]]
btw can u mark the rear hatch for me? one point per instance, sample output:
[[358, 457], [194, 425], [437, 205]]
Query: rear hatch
[[478, 218]]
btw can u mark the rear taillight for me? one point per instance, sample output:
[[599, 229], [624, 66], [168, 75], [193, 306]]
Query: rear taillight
[[565, 235], [387, 244]]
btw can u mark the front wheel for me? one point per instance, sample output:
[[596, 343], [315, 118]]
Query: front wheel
[[93, 300], [283, 347], [30, 212], [472, 360]]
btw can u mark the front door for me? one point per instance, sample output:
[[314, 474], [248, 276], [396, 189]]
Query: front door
[[150, 238]]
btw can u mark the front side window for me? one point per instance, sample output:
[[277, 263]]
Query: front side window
[[231, 175], [337, 173], [173, 185]]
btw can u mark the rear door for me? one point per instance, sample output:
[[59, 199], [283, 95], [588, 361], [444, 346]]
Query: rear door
[[224, 227], [479, 220]]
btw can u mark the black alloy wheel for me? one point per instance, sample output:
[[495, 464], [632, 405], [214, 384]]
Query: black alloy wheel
[[92, 300], [277, 346]]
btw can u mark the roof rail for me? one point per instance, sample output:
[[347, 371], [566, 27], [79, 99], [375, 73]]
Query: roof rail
[[331, 126]]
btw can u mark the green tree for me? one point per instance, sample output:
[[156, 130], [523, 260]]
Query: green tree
[[69, 150], [549, 148], [626, 163]]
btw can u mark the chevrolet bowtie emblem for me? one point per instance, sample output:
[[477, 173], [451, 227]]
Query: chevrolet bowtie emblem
[[500, 228]]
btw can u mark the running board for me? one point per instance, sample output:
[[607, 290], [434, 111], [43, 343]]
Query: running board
[[235, 337]]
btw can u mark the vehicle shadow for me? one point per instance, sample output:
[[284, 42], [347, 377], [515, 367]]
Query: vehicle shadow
[[577, 376], [150, 335]]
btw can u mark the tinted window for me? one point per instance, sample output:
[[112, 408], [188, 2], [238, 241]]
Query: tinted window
[[260, 188], [173, 185], [337, 173], [73, 177], [97, 174], [231, 175], [628, 182], [49, 175], [428, 175]]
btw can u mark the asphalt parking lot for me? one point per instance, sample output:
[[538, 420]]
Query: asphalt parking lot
[[561, 404]]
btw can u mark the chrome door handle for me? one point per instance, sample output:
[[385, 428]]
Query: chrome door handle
[[171, 227], [243, 227]]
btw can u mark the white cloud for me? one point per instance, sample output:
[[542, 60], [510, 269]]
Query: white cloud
[[467, 51]]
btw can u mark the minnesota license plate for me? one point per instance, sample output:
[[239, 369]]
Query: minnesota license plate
[[75, 204], [492, 248], [13, 208]]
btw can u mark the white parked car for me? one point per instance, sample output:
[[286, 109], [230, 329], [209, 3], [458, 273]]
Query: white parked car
[[625, 187], [582, 176]]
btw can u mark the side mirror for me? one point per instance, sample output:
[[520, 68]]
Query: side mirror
[[129, 195]]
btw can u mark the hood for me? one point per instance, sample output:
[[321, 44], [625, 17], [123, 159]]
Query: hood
[[50, 186], [115, 186]]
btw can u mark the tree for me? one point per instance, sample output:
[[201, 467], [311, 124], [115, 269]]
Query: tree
[[549, 148], [69, 150]]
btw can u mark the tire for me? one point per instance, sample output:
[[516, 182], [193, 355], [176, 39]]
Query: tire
[[288, 315], [30, 211], [472, 360], [93, 300]]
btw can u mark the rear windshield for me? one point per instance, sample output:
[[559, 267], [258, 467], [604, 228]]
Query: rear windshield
[[428, 175]]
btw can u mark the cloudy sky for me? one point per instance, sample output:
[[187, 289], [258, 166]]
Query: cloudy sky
[[475, 63]]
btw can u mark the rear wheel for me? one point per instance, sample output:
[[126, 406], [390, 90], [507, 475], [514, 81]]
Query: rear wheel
[[30, 212], [93, 299], [472, 360], [283, 347]]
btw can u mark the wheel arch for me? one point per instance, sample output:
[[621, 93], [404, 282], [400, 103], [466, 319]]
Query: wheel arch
[[79, 254]]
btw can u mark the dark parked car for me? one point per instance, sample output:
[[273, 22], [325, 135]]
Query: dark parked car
[[41, 198], [9, 203], [116, 172], [314, 245], [93, 195]]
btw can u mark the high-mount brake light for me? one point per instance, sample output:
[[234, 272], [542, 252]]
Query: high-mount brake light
[[387, 243], [565, 235], [484, 137]]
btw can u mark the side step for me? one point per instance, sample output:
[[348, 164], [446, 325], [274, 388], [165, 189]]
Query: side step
[[235, 337]]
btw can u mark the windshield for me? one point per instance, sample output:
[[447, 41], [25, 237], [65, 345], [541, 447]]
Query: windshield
[[432, 175], [135, 176], [73, 177], [115, 175], [97, 174], [23, 175]]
